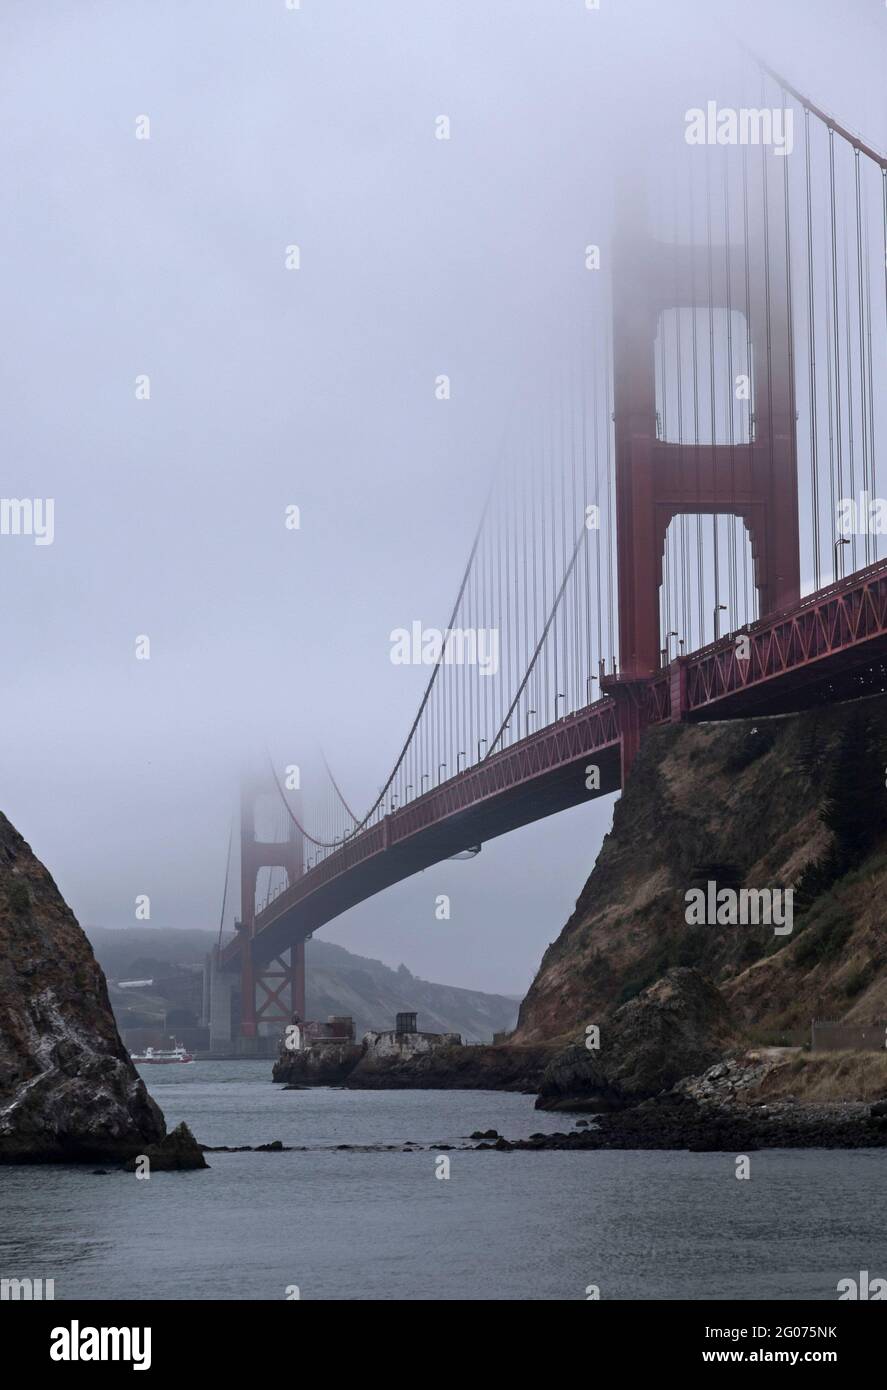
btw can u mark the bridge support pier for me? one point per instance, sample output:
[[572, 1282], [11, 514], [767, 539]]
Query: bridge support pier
[[269, 994], [659, 479], [220, 992], [678, 689], [631, 715]]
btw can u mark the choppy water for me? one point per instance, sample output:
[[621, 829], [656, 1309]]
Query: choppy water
[[344, 1225]]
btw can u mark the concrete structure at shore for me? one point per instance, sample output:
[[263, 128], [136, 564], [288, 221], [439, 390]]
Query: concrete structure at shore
[[403, 1041], [406, 1045]]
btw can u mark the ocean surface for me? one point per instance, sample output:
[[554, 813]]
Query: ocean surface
[[355, 1225]]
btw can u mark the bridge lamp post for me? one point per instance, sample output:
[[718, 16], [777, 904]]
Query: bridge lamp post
[[479, 742], [424, 775], [560, 696], [719, 608], [459, 755], [440, 768], [843, 541], [588, 689], [529, 712]]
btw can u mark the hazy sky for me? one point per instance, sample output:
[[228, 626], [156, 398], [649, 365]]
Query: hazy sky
[[270, 387]]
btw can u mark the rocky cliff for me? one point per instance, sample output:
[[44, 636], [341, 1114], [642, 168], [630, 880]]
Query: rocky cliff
[[796, 802], [68, 1090]]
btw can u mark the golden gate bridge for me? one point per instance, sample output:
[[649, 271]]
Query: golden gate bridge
[[690, 529]]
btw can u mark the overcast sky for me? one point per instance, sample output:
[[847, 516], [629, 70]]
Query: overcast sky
[[268, 387]]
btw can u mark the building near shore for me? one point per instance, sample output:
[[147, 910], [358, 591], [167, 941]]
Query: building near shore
[[406, 1041], [403, 1041]]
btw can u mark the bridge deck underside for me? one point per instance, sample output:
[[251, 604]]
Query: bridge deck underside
[[551, 790], [828, 680], [832, 646]]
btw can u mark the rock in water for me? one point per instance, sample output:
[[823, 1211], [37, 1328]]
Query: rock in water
[[178, 1150], [68, 1089]]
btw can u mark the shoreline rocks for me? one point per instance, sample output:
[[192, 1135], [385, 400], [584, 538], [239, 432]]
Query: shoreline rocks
[[481, 1067], [675, 1122]]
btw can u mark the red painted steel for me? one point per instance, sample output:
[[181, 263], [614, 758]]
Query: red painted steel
[[830, 628], [515, 771], [656, 480], [830, 631], [261, 986]]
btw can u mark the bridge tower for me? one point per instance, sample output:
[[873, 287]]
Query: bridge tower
[[271, 994], [657, 480]]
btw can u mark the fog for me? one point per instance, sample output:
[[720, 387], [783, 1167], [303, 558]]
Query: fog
[[165, 257]]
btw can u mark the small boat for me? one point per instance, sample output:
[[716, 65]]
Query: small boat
[[159, 1056]]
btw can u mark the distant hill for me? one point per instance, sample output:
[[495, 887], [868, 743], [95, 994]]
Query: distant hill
[[341, 983], [338, 982]]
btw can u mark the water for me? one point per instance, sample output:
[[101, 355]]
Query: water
[[345, 1225]]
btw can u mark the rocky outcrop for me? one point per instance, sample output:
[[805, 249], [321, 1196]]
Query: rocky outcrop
[[793, 801], [495, 1068], [445, 1068], [674, 1121], [68, 1089], [325, 1064], [178, 1150], [676, 1028]]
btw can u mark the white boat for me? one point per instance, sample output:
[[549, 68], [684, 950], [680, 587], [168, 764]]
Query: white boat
[[158, 1056]]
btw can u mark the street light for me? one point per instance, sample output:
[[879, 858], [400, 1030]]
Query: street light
[[440, 767], [719, 608], [587, 690], [560, 696], [529, 712], [842, 541], [479, 742], [460, 754]]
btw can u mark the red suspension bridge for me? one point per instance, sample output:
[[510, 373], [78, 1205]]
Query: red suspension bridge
[[708, 455]]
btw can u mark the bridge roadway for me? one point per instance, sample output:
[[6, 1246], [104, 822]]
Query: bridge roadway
[[830, 646]]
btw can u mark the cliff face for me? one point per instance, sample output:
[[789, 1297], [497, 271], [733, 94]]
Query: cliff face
[[796, 801], [68, 1090]]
